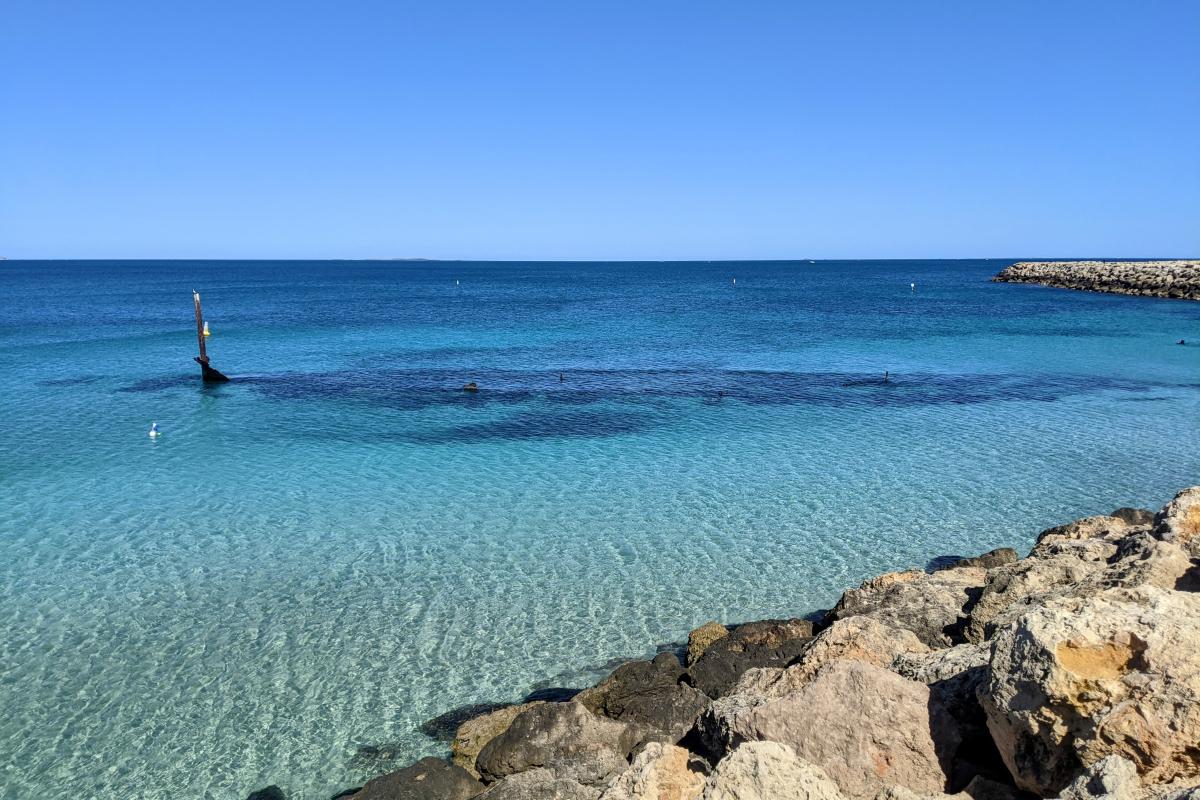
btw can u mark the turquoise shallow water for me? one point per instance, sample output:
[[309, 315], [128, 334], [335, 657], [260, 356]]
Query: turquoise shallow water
[[340, 544]]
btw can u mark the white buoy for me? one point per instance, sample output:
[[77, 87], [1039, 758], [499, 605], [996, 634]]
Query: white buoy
[[735, 281], [153, 430], [913, 287], [456, 282]]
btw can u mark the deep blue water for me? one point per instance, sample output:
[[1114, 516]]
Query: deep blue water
[[341, 543]]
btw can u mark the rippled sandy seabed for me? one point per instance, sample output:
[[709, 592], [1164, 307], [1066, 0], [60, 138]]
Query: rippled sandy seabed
[[340, 544]]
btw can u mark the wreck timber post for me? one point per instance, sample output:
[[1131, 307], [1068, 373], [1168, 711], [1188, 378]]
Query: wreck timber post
[[207, 373]]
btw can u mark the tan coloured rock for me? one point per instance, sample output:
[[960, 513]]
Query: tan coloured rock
[[1082, 678], [1177, 279], [1177, 790], [769, 771], [1014, 587], [954, 676], [1110, 778], [1096, 527], [867, 727], [858, 638], [978, 789], [659, 772], [1142, 560], [1179, 521], [475, 733], [938, 666], [702, 637], [757, 680]]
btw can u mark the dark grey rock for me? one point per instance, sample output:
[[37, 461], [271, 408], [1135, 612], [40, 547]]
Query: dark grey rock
[[374, 753], [551, 694], [538, 784], [428, 779], [269, 793], [1134, 516], [565, 738], [769, 643], [648, 693], [989, 560]]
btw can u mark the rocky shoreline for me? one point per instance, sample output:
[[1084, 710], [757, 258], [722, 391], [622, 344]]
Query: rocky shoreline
[[1174, 279], [1072, 673]]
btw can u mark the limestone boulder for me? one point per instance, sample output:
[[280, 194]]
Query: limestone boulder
[[755, 681], [954, 677], [1143, 560], [769, 643], [867, 727], [658, 772], [475, 733], [1085, 677], [648, 694], [1177, 790], [1102, 526], [1091, 539], [724, 724], [428, 779], [858, 638], [978, 789], [1110, 778], [932, 606], [938, 666], [565, 738], [1010, 589], [1179, 521], [769, 771]]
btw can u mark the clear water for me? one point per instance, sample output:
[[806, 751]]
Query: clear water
[[341, 544]]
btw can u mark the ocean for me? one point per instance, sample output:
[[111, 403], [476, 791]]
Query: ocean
[[341, 543]]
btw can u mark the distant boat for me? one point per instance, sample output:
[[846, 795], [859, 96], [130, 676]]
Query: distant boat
[[206, 333]]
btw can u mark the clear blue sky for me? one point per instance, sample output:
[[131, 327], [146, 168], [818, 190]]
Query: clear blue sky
[[599, 130]]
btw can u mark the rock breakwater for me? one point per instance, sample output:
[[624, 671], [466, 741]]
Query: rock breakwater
[[1072, 673], [1175, 279]]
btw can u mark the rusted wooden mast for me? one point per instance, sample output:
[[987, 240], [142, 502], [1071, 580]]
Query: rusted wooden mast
[[207, 373]]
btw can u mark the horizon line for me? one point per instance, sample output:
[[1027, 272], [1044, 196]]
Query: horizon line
[[392, 259]]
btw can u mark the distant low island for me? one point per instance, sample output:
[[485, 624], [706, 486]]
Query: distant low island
[[1178, 279]]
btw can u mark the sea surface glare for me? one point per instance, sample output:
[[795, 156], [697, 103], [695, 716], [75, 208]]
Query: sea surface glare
[[341, 543]]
